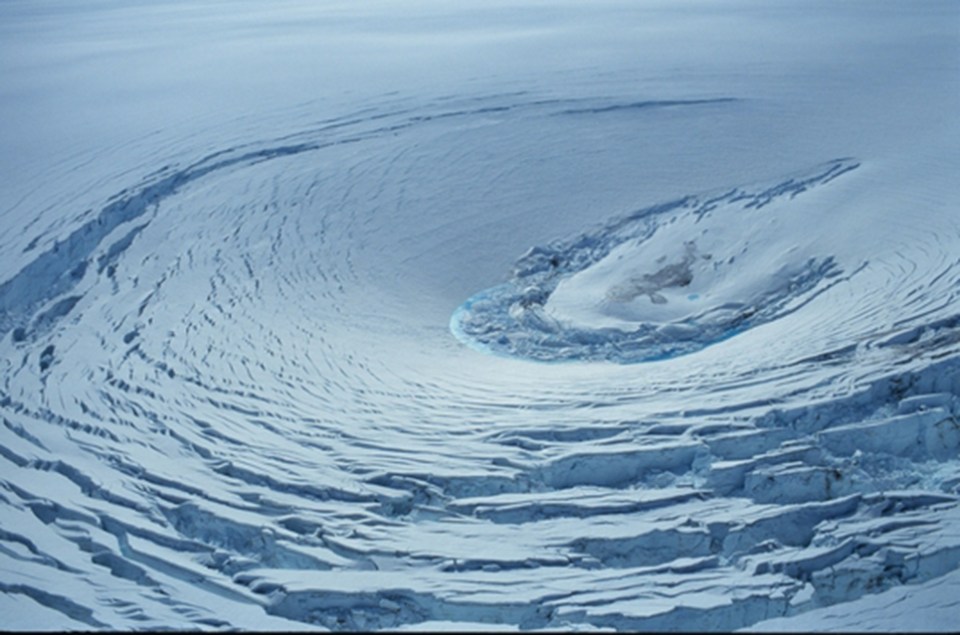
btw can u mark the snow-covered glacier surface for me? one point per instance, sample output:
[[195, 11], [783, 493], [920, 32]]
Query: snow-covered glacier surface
[[529, 315]]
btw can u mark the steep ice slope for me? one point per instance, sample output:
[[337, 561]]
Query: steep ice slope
[[232, 396]]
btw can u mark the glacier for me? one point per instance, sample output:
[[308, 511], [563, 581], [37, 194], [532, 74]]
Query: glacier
[[480, 316]]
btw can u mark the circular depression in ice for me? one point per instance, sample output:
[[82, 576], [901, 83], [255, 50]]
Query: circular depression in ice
[[665, 281], [237, 369]]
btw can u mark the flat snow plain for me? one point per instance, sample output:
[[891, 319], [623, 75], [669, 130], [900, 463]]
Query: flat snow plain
[[531, 315]]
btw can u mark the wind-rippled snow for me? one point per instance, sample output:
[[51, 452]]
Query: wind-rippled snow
[[278, 285]]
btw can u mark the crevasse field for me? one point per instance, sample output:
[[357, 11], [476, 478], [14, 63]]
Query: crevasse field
[[524, 315]]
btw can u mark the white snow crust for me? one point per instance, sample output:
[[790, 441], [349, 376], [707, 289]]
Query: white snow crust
[[480, 316]]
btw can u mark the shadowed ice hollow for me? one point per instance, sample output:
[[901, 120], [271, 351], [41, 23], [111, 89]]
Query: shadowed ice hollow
[[664, 281]]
